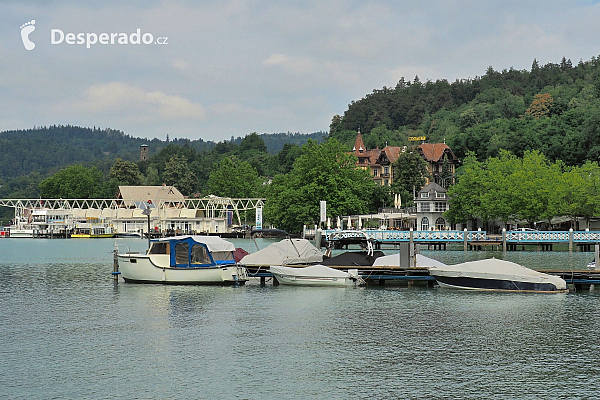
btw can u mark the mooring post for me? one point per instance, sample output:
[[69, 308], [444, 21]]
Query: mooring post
[[116, 272], [504, 240], [596, 256], [411, 249], [317, 237], [465, 240], [570, 239]]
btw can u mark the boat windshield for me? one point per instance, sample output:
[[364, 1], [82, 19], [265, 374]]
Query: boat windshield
[[159, 248]]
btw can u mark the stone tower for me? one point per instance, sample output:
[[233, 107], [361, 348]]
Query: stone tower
[[144, 152]]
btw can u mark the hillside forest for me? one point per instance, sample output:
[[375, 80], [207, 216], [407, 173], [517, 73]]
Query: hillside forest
[[551, 111]]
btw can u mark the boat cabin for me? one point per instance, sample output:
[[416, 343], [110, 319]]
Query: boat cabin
[[194, 251]]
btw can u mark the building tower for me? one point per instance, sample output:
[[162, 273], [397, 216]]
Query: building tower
[[144, 152]]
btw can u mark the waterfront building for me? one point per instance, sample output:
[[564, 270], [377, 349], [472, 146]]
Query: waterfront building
[[431, 202], [441, 161], [170, 212]]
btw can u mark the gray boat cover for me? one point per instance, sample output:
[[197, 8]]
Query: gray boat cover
[[394, 261], [286, 252], [493, 268]]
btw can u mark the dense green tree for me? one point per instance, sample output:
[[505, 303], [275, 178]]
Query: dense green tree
[[410, 175], [125, 172], [323, 172], [74, 182], [233, 178], [178, 173]]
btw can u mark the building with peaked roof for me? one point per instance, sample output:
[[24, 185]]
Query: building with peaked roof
[[441, 161], [431, 202], [156, 194], [378, 162]]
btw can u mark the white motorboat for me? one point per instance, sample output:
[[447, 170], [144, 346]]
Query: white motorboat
[[21, 233], [183, 260], [315, 275], [496, 275]]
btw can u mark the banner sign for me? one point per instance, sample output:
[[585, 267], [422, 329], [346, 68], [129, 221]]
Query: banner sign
[[258, 218]]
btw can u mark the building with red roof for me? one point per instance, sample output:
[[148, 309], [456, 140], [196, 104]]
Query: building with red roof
[[441, 161]]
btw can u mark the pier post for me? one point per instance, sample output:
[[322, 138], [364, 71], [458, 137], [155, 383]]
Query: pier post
[[596, 255], [317, 237], [465, 240], [504, 240], [570, 239], [411, 249]]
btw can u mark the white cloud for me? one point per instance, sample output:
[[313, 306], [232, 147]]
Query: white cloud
[[119, 98], [294, 65], [180, 64]]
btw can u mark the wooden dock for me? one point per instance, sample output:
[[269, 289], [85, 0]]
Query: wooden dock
[[579, 279]]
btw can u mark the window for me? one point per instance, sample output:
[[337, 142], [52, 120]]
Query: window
[[223, 256], [386, 182], [200, 255], [181, 253], [425, 224], [374, 172], [425, 207], [440, 195], [440, 224], [425, 195], [386, 170], [440, 207], [159, 248]]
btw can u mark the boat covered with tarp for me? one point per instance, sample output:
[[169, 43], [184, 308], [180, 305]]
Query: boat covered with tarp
[[286, 252], [496, 275]]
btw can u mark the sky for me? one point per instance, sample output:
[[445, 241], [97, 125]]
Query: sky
[[230, 68]]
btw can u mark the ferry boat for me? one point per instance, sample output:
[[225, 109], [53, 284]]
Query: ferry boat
[[183, 260]]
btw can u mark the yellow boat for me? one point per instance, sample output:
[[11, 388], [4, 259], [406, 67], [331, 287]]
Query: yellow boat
[[93, 232]]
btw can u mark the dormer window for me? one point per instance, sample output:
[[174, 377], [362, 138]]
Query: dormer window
[[425, 195], [440, 195]]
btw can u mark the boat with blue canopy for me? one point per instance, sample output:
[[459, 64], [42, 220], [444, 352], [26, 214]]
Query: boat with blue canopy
[[183, 260]]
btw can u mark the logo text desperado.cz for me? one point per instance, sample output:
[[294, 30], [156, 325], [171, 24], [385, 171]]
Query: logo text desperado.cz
[[57, 36]]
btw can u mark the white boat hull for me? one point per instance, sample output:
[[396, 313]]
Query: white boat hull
[[316, 275], [139, 268], [310, 281]]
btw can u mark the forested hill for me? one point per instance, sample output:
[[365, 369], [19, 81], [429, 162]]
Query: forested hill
[[44, 150], [554, 108], [276, 141]]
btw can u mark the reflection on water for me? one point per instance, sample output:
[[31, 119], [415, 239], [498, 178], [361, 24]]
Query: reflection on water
[[68, 333]]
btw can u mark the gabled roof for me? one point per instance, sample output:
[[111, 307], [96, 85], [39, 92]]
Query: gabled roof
[[433, 152], [432, 187], [154, 193], [392, 153]]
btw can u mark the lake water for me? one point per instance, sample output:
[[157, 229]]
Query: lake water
[[67, 332]]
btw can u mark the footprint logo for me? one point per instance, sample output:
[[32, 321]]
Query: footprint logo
[[26, 29]]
